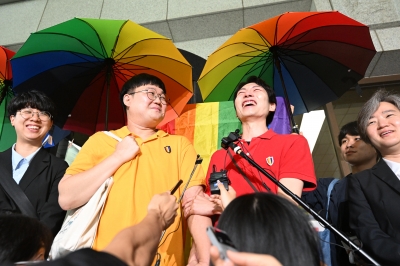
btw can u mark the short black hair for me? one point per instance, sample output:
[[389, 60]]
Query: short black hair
[[21, 237], [33, 99], [140, 80], [263, 84], [348, 129], [265, 223]]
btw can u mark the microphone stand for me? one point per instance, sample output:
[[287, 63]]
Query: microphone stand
[[228, 142]]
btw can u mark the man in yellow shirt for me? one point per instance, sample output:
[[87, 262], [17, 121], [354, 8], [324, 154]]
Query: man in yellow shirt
[[147, 161]]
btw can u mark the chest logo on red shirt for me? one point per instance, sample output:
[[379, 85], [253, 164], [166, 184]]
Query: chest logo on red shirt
[[270, 160], [167, 149]]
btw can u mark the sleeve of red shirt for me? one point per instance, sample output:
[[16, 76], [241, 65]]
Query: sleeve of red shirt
[[297, 162]]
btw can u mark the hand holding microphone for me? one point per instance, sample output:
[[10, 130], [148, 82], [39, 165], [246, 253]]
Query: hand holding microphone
[[225, 197]]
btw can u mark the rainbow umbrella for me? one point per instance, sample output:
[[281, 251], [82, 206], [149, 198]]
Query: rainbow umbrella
[[7, 132], [310, 58], [5, 72], [82, 64]]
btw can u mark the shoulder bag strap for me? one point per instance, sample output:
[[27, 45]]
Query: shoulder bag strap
[[328, 194], [17, 195], [108, 133], [242, 173]]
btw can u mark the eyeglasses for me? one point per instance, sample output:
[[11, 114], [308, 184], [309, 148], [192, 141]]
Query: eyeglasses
[[28, 113], [152, 95]]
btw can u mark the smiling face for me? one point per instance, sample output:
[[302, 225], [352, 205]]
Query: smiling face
[[383, 129], [143, 111], [31, 130], [252, 103], [355, 151]]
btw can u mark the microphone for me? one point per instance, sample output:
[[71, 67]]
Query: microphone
[[228, 141], [236, 149], [198, 161]]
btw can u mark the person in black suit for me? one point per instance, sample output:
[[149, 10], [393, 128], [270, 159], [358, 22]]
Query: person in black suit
[[360, 156], [27, 166], [374, 194]]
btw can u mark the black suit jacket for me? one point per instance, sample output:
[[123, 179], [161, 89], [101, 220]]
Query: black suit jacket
[[40, 185], [374, 205]]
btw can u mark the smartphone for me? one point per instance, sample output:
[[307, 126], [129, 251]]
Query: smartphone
[[176, 186], [221, 240]]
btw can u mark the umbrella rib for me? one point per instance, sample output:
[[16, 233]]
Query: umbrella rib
[[127, 49], [116, 41], [98, 37], [294, 25], [301, 96], [84, 44]]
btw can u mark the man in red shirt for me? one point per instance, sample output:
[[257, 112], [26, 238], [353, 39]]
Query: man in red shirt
[[285, 157]]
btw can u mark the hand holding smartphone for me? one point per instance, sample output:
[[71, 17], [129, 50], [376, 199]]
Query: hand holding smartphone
[[221, 240]]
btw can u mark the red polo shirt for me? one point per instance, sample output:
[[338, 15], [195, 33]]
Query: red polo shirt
[[280, 155]]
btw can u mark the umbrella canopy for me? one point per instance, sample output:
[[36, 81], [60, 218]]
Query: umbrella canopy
[[317, 56], [82, 64], [7, 131], [5, 72]]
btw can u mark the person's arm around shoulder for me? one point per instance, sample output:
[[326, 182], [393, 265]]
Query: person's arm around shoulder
[[137, 245], [76, 190]]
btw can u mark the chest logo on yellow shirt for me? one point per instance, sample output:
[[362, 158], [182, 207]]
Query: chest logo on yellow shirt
[[167, 149], [270, 160]]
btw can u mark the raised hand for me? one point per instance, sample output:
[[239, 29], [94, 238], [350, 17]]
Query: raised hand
[[165, 205], [242, 259]]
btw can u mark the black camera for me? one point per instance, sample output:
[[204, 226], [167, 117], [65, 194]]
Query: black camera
[[222, 177]]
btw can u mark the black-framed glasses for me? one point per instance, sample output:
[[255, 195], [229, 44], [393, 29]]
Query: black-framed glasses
[[152, 95], [29, 113]]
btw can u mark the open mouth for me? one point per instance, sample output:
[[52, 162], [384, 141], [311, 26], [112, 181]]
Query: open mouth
[[386, 133], [32, 127], [248, 103]]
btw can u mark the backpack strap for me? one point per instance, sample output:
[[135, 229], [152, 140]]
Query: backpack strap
[[330, 187]]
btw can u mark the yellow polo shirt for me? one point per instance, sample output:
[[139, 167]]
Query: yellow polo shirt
[[163, 160]]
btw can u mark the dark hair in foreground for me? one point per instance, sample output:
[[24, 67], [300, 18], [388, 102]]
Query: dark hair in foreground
[[267, 88], [264, 223], [21, 237], [137, 81], [33, 99], [371, 106], [348, 129]]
